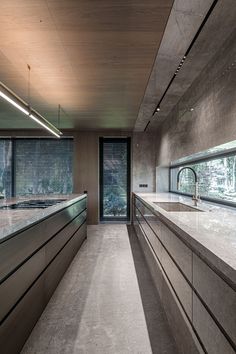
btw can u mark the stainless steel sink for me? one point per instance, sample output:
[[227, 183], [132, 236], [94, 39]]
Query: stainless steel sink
[[175, 206]]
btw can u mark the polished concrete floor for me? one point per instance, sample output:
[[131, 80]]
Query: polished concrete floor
[[106, 302]]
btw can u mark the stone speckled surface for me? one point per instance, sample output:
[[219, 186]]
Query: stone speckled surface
[[106, 303], [212, 233], [12, 221]]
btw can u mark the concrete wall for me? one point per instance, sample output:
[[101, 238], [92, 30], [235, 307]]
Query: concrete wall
[[144, 158], [213, 120]]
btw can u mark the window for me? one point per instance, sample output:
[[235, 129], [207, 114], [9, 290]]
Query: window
[[36, 166], [216, 176], [5, 168], [114, 178]]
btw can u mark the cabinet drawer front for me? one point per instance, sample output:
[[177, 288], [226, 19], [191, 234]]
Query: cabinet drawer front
[[211, 337], [178, 250], [20, 247], [60, 264], [53, 246], [17, 283], [155, 243], [217, 294], [152, 219], [24, 316], [61, 218], [178, 282], [139, 205], [14, 286]]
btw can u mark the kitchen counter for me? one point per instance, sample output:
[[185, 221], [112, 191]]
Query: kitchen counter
[[211, 234], [14, 220], [36, 248]]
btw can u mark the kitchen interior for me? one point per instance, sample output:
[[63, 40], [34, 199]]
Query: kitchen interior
[[118, 176]]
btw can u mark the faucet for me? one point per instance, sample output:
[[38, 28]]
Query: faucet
[[196, 197]]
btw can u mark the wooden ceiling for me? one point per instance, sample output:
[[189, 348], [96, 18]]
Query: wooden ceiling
[[93, 57]]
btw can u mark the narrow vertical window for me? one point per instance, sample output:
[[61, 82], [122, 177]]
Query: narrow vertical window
[[114, 178]]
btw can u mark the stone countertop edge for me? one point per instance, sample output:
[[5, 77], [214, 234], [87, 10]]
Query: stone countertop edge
[[218, 264], [35, 216]]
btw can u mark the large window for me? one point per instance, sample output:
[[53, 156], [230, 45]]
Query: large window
[[216, 176], [36, 166]]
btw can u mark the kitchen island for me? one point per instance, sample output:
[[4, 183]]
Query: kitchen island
[[191, 252], [37, 244]]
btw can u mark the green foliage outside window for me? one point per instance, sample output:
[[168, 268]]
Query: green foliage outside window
[[217, 178], [41, 166]]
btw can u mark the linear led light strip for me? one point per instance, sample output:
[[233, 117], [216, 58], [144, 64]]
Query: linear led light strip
[[13, 99], [158, 108]]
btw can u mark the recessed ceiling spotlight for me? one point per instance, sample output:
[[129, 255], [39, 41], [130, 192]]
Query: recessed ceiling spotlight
[[158, 109], [191, 109]]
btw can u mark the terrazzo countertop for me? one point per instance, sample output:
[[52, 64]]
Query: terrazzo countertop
[[212, 233], [14, 220]]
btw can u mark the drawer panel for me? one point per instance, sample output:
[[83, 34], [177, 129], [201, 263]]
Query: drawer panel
[[61, 218], [212, 338], [139, 205], [18, 248], [156, 245], [218, 295], [62, 237], [14, 287], [17, 327], [152, 219], [154, 266], [182, 288], [138, 215], [178, 250], [21, 321], [60, 264], [185, 337]]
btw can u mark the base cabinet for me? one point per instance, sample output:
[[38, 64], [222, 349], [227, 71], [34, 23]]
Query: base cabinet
[[199, 304], [28, 285]]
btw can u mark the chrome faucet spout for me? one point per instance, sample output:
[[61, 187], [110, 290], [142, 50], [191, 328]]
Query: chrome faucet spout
[[196, 196]]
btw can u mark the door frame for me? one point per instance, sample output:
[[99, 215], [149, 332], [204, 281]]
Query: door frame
[[127, 140]]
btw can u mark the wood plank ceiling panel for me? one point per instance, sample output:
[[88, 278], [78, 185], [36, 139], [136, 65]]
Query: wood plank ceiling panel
[[93, 57]]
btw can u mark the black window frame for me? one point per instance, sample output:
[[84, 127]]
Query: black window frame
[[126, 140]]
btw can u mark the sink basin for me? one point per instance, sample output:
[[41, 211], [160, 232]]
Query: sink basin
[[175, 206]]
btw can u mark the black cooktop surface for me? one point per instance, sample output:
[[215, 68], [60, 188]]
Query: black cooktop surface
[[33, 204]]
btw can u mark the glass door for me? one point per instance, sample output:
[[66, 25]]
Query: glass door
[[114, 179]]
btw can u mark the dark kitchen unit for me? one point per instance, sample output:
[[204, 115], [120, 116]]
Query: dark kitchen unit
[[118, 177], [34, 256]]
